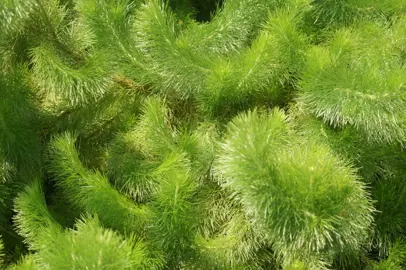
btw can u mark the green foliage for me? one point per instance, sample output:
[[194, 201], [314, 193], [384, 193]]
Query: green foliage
[[172, 66], [111, 24], [1, 252], [230, 134], [380, 165], [331, 13], [238, 245], [89, 245], [284, 184], [129, 168], [133, 155], [390, 218], [351, 73], [396, 259], [231, 28], [173, 215], [91, 191], [81, 84], [18, 140], [26, 263], [33, 219], [255, 74]]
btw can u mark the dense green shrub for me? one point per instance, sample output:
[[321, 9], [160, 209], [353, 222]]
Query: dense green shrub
[[235, 134]]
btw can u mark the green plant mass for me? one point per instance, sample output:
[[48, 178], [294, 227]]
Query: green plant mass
[[203, 134]]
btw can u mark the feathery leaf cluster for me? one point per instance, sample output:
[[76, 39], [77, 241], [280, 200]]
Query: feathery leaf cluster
[[150, 134]]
